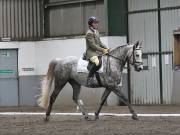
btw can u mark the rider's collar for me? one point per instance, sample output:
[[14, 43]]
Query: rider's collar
[[93, 30]]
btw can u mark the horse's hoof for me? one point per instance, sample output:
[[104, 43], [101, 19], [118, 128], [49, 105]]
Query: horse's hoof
[[46, 119], [87, 118], [135, 117], [96, 117]]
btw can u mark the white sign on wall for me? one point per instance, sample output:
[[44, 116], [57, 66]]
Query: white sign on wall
[[166, 58], [153, 61]]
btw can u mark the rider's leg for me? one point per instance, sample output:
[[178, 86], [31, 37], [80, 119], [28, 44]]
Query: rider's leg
[[93, 68]]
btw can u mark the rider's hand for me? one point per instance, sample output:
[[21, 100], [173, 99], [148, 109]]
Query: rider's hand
[[105, 51]]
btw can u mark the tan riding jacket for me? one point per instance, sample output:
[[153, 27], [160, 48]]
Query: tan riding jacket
[[94, 47]]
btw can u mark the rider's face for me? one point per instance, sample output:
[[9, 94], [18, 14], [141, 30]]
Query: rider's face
[[95, 25]]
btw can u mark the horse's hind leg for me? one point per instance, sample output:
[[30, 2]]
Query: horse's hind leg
[[57, 89], [125, 100], [76, 92]]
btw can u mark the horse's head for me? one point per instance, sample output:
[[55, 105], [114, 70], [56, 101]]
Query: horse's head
[[135, 57]]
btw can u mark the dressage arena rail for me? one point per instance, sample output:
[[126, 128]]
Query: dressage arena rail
[[80, 114]]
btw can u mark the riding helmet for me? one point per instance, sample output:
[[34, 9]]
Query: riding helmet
[[92, 19]]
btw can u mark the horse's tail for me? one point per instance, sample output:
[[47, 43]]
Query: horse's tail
[[46, 86]]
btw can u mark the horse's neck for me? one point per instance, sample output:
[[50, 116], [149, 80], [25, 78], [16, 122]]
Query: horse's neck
[[121, 52]]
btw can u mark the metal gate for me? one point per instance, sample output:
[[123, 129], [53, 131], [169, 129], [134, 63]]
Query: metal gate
[[8, 78]]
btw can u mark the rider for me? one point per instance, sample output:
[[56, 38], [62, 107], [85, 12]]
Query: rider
[[94, 47]]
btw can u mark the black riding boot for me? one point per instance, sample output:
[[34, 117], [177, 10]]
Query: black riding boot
[[92, 70]]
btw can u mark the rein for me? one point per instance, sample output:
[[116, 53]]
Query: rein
[[109, 55], [114, 57], [132, 55]]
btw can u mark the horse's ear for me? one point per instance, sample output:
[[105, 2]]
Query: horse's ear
[[140, 45], [136, 44]]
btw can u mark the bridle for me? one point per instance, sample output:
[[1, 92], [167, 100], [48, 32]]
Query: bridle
[[132, 55], [134, 60]]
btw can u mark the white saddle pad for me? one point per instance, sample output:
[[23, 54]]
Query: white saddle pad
[[82, 66]]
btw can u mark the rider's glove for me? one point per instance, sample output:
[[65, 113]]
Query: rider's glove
[[105, 51]]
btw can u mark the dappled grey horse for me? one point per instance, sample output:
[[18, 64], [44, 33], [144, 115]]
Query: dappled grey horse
[[61, 71]]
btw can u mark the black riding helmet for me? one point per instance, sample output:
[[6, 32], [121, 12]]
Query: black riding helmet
[[92, 19]]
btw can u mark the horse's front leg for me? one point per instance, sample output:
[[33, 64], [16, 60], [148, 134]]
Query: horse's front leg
[[123, 98], [103, 99]]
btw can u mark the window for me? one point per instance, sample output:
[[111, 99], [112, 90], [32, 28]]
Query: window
[[176, 52], [70, 18]]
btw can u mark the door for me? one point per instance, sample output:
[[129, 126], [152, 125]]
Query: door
[[8, 78]]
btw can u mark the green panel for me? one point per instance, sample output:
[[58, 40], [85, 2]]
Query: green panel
[[6, 71], [117, 17]]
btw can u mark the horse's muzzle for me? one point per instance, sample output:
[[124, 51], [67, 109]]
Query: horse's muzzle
[[139, 68]]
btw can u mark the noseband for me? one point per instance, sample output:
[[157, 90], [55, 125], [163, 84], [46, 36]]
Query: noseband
[[134, 60]]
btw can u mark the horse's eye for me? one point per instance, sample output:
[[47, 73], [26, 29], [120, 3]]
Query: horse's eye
[[137, 55]]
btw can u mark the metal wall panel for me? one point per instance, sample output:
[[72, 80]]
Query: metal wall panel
[[147, 28], [170, 20], [51, 1], [144, 27], [144, 85], [65, 20], [20, 19], [71, 18], [170, 3], [141, 4], [92, 9], [1, 20], [167, 75]]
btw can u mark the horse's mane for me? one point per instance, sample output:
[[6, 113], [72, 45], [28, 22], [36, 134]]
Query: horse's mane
[[120, 46]]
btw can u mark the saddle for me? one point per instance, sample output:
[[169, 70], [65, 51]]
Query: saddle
[[84, 66]]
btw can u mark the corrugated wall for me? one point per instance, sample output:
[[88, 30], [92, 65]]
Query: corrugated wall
[[170, 20], [65, 20], [68, 18], [141, 4], [143, 25], [20, 19], [144, 85], [170, 3]]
